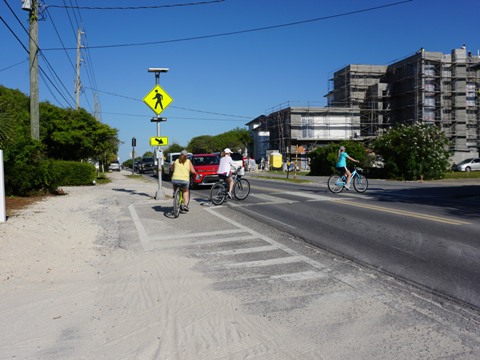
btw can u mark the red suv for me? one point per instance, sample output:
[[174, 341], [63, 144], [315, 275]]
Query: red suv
[[206, 166]]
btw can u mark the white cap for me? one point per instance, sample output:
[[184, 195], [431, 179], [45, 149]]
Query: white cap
[[227, 151]]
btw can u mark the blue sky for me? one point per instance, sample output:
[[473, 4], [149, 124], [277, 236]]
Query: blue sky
[[217, 81]]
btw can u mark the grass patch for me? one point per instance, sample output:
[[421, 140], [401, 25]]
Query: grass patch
[[137, 177], [462, 175], [102, 179]]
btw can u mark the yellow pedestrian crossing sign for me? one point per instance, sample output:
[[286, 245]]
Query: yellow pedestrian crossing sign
[[157, 99], [158, 141]]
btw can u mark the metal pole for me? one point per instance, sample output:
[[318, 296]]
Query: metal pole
[[160, 195]]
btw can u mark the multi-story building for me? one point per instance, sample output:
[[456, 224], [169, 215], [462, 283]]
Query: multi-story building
[[365, 100], [426, 87]]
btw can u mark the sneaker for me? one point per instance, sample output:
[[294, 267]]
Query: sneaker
[[347, 186], [229, 194], [185, 208]]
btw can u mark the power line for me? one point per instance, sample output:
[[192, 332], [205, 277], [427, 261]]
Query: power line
[[11, 66], [135, 7], [52, 71], [174, 117], [178, 107], [247, 30]]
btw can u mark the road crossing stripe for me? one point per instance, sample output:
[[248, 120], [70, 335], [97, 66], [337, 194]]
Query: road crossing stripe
[[304, 275], [267, 262], [242, 251]]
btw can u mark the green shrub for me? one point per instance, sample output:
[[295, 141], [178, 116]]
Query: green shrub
[[47, 176], [72, 173]]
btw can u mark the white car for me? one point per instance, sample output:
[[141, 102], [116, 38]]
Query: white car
[[471, 164], [115, 166]]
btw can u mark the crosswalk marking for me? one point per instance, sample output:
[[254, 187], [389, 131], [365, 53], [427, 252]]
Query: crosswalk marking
[[267, 262], [304, 275], [242, 251]]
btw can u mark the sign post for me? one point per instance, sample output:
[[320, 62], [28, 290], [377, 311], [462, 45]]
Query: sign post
[[158, 100], [134, 143]]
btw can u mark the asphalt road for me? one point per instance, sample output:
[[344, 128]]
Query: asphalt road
[[426, 234]]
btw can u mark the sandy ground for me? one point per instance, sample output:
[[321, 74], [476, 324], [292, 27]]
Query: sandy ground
[[71, 288], [69, 291]]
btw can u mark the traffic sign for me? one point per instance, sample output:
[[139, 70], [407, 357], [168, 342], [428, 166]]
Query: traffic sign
[[158, 141], [157, 99]]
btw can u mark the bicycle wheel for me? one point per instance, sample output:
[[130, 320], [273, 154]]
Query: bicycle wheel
[[360, 183], [335, 184], [176, 203], [218, 194], [241, 189]]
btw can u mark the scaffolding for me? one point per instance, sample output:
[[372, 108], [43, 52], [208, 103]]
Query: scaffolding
[[427, 87]]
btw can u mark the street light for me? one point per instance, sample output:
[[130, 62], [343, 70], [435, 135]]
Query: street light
[[160, 194], [157, 72]]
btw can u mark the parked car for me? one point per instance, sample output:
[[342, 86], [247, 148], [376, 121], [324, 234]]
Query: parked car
[[471, 164], [239, 161], [115, 166], [147, 164], [206, 166]]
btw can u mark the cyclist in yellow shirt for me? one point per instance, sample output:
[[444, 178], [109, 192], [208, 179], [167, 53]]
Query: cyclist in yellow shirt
[[181, 170]]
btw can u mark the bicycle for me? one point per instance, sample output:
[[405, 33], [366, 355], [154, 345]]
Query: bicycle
[[336, 182], [178, 202], [219, 192]]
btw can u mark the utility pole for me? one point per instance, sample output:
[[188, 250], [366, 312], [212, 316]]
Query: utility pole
[[78, 83], [32, 6]]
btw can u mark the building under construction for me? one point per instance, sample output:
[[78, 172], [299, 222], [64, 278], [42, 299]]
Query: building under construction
[[427, 87], [366, 100]]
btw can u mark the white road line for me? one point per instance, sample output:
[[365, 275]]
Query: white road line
[[267, 262], [242, 251], [196, 234], [304, 275], [286, 249], [181, 242], [144, 239]]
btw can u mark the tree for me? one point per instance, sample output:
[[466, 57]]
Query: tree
[[204, 144], [236, 139], [323, 159], [414, 152], [174, 147]]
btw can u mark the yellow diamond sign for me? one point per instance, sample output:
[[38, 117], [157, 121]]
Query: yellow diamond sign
[[157, 99]]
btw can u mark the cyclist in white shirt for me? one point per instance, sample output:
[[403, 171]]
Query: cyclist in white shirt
[[225, 169]]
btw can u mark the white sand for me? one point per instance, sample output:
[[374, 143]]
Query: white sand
[[69, 289], [67, 293]]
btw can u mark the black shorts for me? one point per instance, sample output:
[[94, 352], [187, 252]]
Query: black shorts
[[224, 176], [342, 170]]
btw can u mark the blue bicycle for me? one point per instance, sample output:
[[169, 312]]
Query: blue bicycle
[[336, 182]]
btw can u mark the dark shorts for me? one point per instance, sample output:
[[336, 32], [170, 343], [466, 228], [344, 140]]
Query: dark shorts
[[342, 170], [224, 176]]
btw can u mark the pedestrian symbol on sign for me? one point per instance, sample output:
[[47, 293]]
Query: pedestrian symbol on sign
[[157, 99]]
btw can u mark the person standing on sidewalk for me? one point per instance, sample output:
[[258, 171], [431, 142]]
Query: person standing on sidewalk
[[342, 165]]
